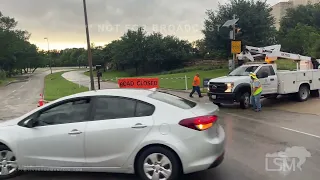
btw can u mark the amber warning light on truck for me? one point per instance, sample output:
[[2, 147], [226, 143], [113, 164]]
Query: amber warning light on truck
[[139, 83]]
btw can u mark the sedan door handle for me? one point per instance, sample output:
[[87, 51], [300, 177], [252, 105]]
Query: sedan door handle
[[74, 131], [271, 79], [139, 126]]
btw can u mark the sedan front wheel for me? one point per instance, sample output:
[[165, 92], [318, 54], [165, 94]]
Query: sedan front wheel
[[8, 163]]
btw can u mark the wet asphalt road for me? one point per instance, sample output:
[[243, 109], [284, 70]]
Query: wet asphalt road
[[250, 136], [19, 98]]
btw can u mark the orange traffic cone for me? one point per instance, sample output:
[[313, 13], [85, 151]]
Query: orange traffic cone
[[41, 101]]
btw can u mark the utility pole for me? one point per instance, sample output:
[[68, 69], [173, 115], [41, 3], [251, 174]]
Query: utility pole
[[234, 38], [88, 44], [232, 23], [48, 55]]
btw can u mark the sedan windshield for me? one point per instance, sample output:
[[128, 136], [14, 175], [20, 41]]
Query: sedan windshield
[[243, 70]]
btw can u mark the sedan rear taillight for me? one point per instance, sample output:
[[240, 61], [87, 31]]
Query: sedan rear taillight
[[199, 123]]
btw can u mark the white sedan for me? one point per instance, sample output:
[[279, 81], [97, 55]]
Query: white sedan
[[153, 134]]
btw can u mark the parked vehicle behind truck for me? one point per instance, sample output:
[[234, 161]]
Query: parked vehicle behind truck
[[236, 86]]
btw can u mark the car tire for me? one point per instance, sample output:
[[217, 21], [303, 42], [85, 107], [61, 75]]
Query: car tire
[[145, 168], [314, 93], [245, 100], [304, 93], [7, 155], [218, 104]]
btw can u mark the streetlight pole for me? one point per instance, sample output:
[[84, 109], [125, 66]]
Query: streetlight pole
[[49, 54], [88, 44]]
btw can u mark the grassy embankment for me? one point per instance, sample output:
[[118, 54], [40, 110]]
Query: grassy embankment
[[56, 87], [204, 71], [178, 73], [286, 64], [5, 81]]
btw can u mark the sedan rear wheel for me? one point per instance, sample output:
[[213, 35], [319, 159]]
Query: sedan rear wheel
[[157, 166], [158, 163], [8, 163]]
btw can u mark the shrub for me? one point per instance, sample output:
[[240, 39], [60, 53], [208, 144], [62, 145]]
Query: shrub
[[3, 74]]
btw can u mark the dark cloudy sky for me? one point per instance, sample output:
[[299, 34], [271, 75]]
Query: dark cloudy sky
[[62, 21]]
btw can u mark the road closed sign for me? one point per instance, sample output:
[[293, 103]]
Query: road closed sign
[[139, 83]]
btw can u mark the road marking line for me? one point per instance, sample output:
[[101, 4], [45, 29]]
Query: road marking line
[[13, 91], [270, 124], [301, 132]]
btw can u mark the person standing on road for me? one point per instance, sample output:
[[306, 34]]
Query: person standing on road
[[315, 63], [255, 92], [196, 86]]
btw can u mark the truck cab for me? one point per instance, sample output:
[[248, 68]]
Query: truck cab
[[236, 86]]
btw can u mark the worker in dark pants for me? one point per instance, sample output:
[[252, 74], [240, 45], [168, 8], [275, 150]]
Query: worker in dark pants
[[196, 86], [256, 92]]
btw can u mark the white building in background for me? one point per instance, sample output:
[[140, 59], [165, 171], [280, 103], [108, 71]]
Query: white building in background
[[279, 10]]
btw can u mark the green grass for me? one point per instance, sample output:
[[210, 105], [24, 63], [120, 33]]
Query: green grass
[[3, 82], [204, 71], [180, 83], [171, 83], [286, 64], [56, 87]]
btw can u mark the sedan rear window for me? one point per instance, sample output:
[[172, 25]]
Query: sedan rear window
[[173, 100]]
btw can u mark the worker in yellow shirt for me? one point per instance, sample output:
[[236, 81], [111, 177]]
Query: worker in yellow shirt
[[255, 92], [196, 85]]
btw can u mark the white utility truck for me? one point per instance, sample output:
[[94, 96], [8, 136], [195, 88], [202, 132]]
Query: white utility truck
[[236, 87]]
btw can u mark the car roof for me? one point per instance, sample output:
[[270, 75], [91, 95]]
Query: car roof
[[114, 92], [256, 64]]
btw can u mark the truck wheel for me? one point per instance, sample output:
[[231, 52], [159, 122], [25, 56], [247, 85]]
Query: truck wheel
[[314, 93], [245, 100], [304, 93], [218, 104]]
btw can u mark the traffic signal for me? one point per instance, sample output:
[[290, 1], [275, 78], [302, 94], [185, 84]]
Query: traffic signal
[[238, 30]]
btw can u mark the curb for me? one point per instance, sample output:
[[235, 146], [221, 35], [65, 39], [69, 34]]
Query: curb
[[175, 90], [16, 81], [182, 91], [44, 84]]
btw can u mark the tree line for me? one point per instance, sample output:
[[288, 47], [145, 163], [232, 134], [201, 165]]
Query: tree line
[[140, 53], [17, 54], [134, 51]]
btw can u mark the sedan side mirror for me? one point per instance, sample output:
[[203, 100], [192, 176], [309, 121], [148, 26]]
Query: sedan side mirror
[[30, 123]]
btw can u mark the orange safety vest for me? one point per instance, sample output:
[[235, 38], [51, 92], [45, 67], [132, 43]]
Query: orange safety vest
[[196, 81]]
